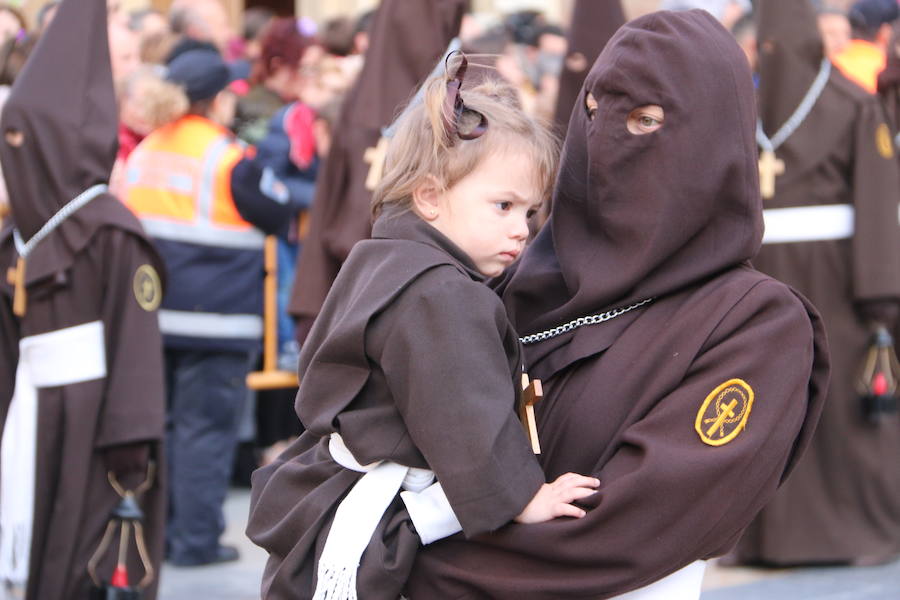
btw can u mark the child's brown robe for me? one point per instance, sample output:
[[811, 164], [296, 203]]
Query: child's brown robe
[[412, 360]]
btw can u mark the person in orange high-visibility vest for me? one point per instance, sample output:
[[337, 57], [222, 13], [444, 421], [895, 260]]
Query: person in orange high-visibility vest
[[866, 55], [207, 205]]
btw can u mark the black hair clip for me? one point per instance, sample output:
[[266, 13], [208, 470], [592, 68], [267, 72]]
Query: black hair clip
[[454, 107]]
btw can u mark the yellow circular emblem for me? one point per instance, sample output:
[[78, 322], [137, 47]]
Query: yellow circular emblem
[[147, 288], [724, 413], [884, 142]]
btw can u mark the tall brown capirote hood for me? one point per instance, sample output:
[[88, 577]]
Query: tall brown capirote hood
[[593, 23], [64, 104], [790, 55], [640, 216], [407, 40]]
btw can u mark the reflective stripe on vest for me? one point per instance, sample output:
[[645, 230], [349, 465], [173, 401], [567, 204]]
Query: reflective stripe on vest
[[181, 194], [808, 223], [210, 325]]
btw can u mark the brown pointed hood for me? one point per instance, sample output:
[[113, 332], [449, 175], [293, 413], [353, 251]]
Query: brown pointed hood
[[407, 39], [63, 109], [593, 23], [636, 217], [790, 55]]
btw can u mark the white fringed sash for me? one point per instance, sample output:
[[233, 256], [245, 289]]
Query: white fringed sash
[[361, 510], [61, 357]]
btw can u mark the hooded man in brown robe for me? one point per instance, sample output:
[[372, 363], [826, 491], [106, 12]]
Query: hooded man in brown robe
[[593, 23], [407, 40], [81, 379], [653, 223], [832, 233]]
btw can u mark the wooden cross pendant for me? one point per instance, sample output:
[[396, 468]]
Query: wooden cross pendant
[[16, 277], [532, 392], [375, 157], [770, 167]]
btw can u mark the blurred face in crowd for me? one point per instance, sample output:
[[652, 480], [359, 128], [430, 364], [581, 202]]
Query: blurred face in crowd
[[124, 52], [116, 13], [9, 25], [152, 24], [486, 212], [835, 29], [215, 27]]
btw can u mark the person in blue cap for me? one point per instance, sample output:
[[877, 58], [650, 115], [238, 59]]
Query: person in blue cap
[[207, 206]]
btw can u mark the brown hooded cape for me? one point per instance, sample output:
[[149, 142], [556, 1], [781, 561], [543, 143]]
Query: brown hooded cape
[[843, 502], [593, 23], [407, 40], [674, 215], [84, 271], [412, 360]]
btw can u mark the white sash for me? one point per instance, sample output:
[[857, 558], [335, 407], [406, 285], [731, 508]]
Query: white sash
[[61, 357], [808, 223], [683, 584], [361, 510]]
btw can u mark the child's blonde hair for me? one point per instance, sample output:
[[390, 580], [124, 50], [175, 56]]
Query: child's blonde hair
[[159, 102], [422, 146]]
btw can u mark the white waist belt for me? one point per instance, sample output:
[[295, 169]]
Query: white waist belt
[[808, 223], [683, 584], [359, 513], [63, 357]]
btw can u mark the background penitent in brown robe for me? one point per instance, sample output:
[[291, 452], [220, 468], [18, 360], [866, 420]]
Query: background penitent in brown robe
[[673, 215], [83, 272], [408, 38], [843, 502]]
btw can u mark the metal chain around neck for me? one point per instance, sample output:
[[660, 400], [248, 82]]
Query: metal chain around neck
[[24, 248], [796, 119], [581, 322]]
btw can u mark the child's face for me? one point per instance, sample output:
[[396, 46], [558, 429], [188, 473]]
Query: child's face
[[486, 213]]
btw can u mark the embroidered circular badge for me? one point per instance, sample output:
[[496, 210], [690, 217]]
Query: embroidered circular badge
[[147, 288], [884, 142], [724, 412]]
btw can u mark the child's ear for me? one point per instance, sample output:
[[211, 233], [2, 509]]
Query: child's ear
[[426, 198]]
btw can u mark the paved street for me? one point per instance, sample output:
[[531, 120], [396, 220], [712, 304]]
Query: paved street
[[240, 581]]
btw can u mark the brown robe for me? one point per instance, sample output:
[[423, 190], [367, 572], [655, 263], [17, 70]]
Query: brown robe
[[412, 360], [638, 400], [77, 423], [86, 270], [843, 502], [407, 40]]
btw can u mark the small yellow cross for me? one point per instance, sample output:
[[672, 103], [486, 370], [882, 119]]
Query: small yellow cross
[[375, 158], [727, 413], [769, 168]]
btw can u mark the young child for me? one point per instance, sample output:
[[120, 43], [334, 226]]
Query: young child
[[410, 372]]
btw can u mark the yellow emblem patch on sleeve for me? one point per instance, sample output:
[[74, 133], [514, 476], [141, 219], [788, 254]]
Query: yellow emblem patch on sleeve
[[724, 413], [147, 288], [884, 142]]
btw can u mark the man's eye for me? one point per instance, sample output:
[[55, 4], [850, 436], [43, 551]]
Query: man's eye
[[649, 121]]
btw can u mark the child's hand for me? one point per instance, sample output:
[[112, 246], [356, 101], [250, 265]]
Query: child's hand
[[554, 499]]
